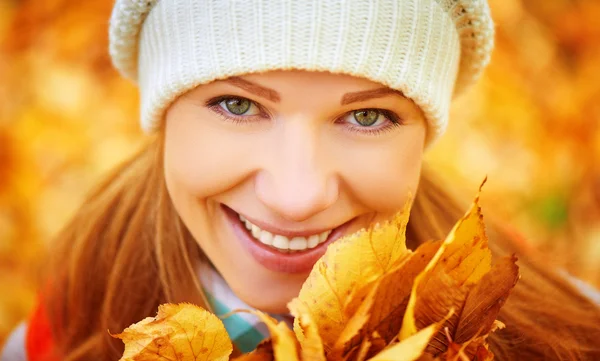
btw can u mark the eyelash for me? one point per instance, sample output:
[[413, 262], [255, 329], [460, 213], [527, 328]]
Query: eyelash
[[394, 122], [214, 105]]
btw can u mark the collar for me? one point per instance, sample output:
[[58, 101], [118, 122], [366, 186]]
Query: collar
[[244, 329]]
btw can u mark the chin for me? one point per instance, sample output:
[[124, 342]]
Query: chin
[[273, 299]]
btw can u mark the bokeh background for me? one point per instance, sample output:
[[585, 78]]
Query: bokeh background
[[532, 125]]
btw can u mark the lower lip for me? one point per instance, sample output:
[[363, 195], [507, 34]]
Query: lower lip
[[295, 262]]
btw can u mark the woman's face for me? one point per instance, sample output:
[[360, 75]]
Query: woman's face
[[267, 169]]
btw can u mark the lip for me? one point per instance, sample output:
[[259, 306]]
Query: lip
[[295, 262]]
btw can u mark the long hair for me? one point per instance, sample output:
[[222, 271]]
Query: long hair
[[126, 251]]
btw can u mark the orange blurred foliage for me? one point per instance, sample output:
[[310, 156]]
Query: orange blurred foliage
[[531, 124]]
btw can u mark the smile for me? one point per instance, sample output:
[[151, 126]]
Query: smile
[[284, 243], [282, 250]]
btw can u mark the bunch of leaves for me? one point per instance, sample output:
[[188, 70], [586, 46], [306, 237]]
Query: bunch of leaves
[[367, 298]]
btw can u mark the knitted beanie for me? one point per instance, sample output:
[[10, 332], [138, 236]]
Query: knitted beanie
[[429, 50]]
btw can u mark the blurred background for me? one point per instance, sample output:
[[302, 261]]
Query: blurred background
[[532, 125]]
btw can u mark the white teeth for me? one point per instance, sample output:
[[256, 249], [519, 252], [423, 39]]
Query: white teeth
[[323, 236], [298, 243], [255, 231], [313, 241], [266, 238], [283, 242]]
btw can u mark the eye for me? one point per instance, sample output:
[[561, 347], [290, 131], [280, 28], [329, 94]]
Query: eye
[[366, 117], [369, 118], [370, 121], [239, 106]]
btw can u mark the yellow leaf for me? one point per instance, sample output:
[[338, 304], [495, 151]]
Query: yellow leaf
[[311, 344], [382, 309], [363, 349], [462, 260], [485, 300], [348, 264], [392, 295], [354, 332], [473, 349], [178, 332], [409, 349], [370, 346], [285, 345]]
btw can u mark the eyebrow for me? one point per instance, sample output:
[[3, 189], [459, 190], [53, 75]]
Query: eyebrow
[[274, 96], [255, 89], [369, 94]]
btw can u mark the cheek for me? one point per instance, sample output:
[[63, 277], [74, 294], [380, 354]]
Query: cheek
[[200, 158], [381, 178]]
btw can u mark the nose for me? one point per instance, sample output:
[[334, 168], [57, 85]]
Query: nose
[[299, 180]]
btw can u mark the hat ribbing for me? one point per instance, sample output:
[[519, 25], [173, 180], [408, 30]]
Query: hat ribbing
[[428, 49]]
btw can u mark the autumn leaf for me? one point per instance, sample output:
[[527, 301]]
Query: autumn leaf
[[311, 343], [382, 309], [459, 278], [370, 346], [355, 330], [392, 295], [363, 350], [485, 300], [409, 349], [350, 263], [285, 345], [460, 262], [178, 332]]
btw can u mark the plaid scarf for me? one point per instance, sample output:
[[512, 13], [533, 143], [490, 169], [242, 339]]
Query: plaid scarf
[[244, 329]]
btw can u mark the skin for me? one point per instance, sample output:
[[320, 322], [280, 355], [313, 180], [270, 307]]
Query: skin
[[299, 161]]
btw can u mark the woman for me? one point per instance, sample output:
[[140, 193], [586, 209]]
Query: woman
[[278, 127]]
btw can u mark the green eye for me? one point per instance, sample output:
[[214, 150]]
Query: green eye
[[237, 106], [366, 117]]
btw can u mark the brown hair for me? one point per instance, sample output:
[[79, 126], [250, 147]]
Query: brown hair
[[126, 251]]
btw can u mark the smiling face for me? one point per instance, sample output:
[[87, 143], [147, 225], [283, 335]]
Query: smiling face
[[267, 169]]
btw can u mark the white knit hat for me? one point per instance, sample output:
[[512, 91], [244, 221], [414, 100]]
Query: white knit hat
[[427, 49]]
